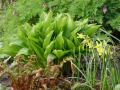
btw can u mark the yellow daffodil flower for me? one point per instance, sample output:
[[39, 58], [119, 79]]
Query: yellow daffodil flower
[[100, 48]]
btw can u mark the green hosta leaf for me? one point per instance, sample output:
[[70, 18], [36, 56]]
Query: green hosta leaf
[[47, 39], [91, 29], [11, 50], [49, 48], [3, 55], [27, 28], [33, 39], [32, 36], [48, 30], [59, 23], [70, 44], [16, 42], [40, 40], [47, 19], [60, 53], [70, 24], [74, 32], [38, 27], [23, 51], [59, 41], [37, 49], [22, 35]]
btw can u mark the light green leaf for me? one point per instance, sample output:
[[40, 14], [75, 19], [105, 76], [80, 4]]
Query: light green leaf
[[59, 41], [16, 42], [70, 22], [60, 53], [37, 49], [47, 20], [59, 23], [47, 39], [91, 29], [11, 50], [74, 32], [70, 44], [23, 51], [49, 48]]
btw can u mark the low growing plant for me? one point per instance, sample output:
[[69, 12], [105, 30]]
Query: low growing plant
[[51, 35]]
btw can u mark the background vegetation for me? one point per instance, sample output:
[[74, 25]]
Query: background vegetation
[[77, 35]]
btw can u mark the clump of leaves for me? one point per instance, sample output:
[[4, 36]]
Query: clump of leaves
[[55, 36]]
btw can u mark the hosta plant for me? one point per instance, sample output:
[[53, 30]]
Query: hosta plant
[[52, 36]]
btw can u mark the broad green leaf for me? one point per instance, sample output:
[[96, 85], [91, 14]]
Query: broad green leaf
[[70, 23], [37, 49], [49, 17], [91, 29], [11, 50], [23, 51], [47, 39], [22, 35], [47, 20], [74, 32], [59, 41], [37, 27], [16, 42], [33, 39], [48, 30], [40, 40], [70, 44], [60, 53], [3, 55], [27, 28], [49, 49], [59, 23]]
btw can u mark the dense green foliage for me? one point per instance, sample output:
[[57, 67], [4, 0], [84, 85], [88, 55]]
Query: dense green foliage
[[113, 16], [16, 14], [66, 31], [51, 35], [22, 11], [101, 11]]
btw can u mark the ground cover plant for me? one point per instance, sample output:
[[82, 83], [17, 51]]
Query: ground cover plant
[[50, 46]]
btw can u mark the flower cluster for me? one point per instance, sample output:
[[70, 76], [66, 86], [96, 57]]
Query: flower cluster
[[101, 46]]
